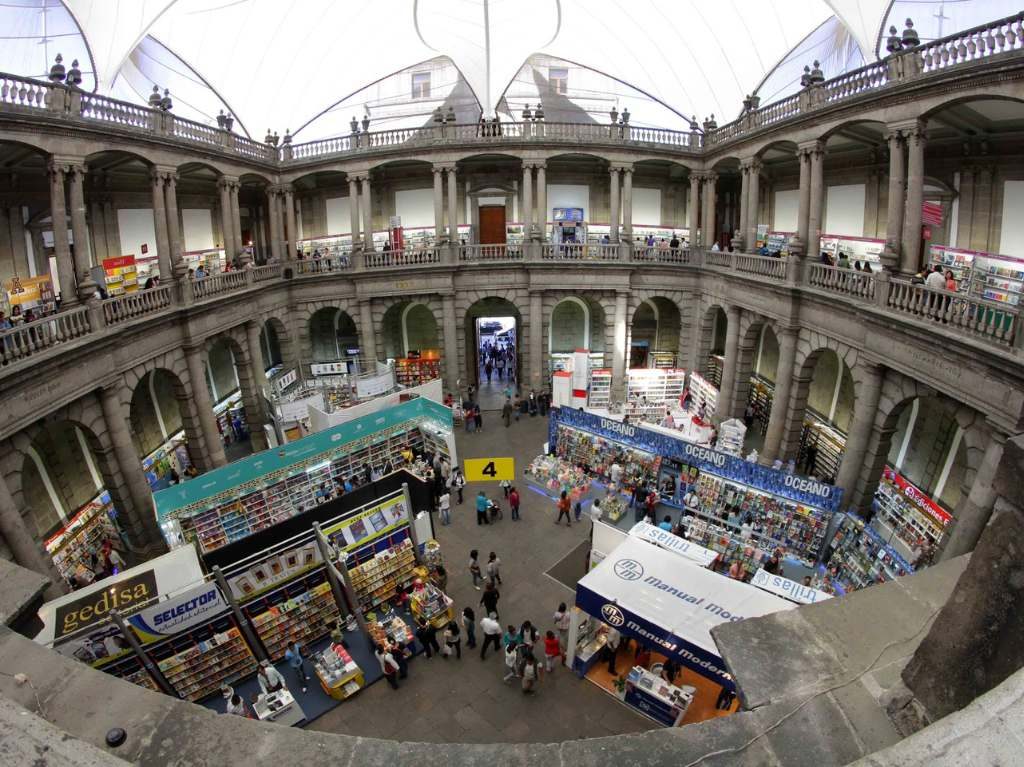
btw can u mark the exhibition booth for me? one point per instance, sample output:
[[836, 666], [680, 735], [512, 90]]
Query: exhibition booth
[[663, 606], [235, 501], [745, 510]]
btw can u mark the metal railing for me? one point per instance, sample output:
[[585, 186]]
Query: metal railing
[[138, 304], [989, 320], [410, 257], [30, 338], [848, 282]]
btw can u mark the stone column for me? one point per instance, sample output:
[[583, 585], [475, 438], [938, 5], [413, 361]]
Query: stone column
[[780, 401], [910, 259], [163, 246], [753, 204], [975, 507], [744, 203], [353, 210], [61, 248], [367, 208], [275, 223], [224, 186], [732, 342], [453, 206], [293, 232], [693, 208], [259, 370], [79, 228], [709, 209], [536, 333], [22, 543], [204, 407], [527, 202], [115, 413], [174, 236], [614, 216], [17, 233], [869, 391], [438, 203], [542, 201], [803, 156], [627, 204], [367, 335], [451, 351], [236, 221], [814, 210], [619, 350], [252, 400]]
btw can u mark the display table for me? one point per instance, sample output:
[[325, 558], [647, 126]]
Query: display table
[[279, 707], [389, 630], [433, 605], [655, 698], [340, 676]]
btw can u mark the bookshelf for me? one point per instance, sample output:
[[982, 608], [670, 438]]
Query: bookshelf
[[716, 364], [861, 557], [84, 534], [198, 661], [830, 444], [379, 576], [120, 275], [130, 669], [597, 454], [762, 392], [302, 610], [600, 393], [703, 392], [909, 513], [413, 371]]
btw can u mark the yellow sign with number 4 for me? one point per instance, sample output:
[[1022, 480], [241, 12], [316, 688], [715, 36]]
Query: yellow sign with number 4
[[489, 469]]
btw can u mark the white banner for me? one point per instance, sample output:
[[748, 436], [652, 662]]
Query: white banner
[[791, 590], [329, 368], [675, 544], [178, 613], [285, 380], [299, 409], [373, 385]]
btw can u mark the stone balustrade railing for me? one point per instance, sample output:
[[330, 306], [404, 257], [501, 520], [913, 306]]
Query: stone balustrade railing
[[30, 338], [656, 255], [573, 252], [721, 259], [332, 263], [994, 39], [138, 304], [490, 253], [990, 321], [768, 267], [217, 284], [848, 282], [266, 272], [387, 259]]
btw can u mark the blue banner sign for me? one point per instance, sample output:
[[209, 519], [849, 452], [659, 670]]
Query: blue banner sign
[[803, 490]]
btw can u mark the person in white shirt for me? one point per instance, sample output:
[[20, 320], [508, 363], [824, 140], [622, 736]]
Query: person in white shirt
[[611, 647], [236, 706], [444, 507], [492, 634], [595, 510], [270, 678], [615, 474], [562, 620], [388, 665], [691, 501], [935, 279]]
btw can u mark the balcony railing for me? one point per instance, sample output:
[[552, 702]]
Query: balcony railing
[[33, 337], [23, 92], [761, 266], [848, 282], [139, 304], [991, 321], [573, 252], [216, 284], [489, 253], [331, 263], [657, 255], [410, 257], [266, 272]]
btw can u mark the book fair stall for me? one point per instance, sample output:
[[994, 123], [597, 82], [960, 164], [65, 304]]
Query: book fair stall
[[984, 275], [260, 490], [745, 509], [661, 606], [82, 535]]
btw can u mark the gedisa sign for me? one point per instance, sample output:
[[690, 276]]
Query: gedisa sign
[[95, 607]]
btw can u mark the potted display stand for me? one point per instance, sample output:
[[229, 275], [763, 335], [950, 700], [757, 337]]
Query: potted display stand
[[619, 683]]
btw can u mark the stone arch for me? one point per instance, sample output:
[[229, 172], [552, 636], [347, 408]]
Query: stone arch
[[276, 342], [574, 314], [473, 304], [711, 339], [751, 326], [657, 321], [596, 307], [158, 409], [410, 324]]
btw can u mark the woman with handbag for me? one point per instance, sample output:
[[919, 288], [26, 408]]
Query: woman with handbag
[[452, 640]]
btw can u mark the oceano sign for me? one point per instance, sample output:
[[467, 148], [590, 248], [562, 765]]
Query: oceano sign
[[705, 454], [811, 486], [625, 429]]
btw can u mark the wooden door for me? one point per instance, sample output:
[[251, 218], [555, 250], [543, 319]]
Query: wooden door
[[492, 224]]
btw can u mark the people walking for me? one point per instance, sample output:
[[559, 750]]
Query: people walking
[[552, 650], [456, 482], [482, 506], [562, 620], [506, 412], [489, 599], [478, 418], [492, 634], [388, 665], [469, 626], [529, 674], [494, 569], [297, 663], [513, 502], [427, 636], [452, 640], [444, 507], [506, 487], [401, 654], [564, 506], [474, 568], [511, 658]]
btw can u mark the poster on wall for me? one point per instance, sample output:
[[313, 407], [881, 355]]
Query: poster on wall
[[272, 570], [368, 525]]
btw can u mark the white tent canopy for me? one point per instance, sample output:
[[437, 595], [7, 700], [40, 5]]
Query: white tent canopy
[[279, 63]]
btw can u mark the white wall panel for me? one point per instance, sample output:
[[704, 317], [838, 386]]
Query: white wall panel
[[415, 206], [197, 225], [136, 227], [646, 206], [844, 210], [569, 196], [1011, 239], [338, 219], [787, 209]]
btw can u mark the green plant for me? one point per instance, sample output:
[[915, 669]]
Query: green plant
[[620, 683]]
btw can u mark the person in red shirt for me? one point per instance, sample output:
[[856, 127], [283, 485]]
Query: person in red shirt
[[563, 508], [650, 502], [513, 501], [552, 650]]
